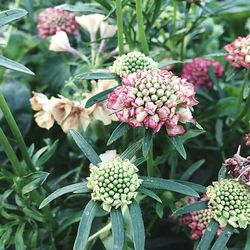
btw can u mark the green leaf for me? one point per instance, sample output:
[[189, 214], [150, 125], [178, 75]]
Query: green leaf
[[196, 206], [208, 236], [165, 63], [219, 132], [215, 81], [120, 130], [248, 239], [47, 155], [197, 187], [85, 225], [149, 193], [88, 151], [97, 75], [130, 152], [9, 64], [64, 190], [222, 240], [191, 133], [138, 226], [222, 173], [80, 7], [8, 16], [177, 143], [158, 183], [159, 210], [36, 180], [194, 167], [139, 161], [99, 97], [117, 228], [19, 242], [147, 141]]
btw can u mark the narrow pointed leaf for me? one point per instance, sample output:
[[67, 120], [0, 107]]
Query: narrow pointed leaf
[[19, 242], [147, 141], [197, 187], [98, 97], [120, 130], [82, 186], [158, 183], [8, 16], [139, 161], [117, 229], [138, 226], [103, 75], [165, 63], [130, 152], [149, 193], [208, 236], [222, 240], [83, 231], [222, 173], [88, 151], [177, 143], [248, 239], [194, 167], [196, 206]]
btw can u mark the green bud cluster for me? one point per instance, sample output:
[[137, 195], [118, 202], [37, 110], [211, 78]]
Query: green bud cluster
[[114, 183], [132, 63], [230, 201], [204, 216]]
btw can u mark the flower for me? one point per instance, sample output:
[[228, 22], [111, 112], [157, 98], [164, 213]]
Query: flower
[[239, 52], [52, 20], [197, 70], [60, 42], [91, 23], [107, 30], [99, 110], [154, 99], [114, 183], [197, 221], [229, 199], [43, 117], [131, 63]]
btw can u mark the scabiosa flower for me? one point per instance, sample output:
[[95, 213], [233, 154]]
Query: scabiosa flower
[[114, 183], [239, 52], [52, 20], [197, 70], [197, 221], [132, 62], [154, 99], [230, 201]]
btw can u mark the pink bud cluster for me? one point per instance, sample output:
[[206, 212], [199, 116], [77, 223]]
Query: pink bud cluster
[[197, 221], [52, 20], [197, 71], [154, 99], [239, 52]]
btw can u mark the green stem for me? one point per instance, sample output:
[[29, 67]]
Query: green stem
[[120, 26], [11, 154], [141, 31], [16, 132], [150, 161]]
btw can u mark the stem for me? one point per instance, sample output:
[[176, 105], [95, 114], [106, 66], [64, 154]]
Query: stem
[[141, 31], [102, 230], [150, 161], [120, 26], [11, 154]]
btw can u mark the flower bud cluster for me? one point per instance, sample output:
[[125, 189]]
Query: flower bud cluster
[[114, 183], [153, 99], [239, 52], [52, 20], [230, 201], [131, 63]]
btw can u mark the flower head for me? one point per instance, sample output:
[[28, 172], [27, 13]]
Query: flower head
[[52, 20], [132, 62], [197, 70], [114, 183], [197, 221], [230, 201], [239, 52], [154, 99]]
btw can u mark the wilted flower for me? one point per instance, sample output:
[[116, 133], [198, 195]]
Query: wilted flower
[[114, 183], [154, 99], [91, 23], [99, 110], [229, 200], [52, 20], [239, 167], [197, 71], [131, 63], [107, 30], [239, 52], [41, 104], [197, 221]]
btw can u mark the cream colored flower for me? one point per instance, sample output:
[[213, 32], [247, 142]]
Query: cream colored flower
[[44, 118], [90, 23], [107, 30]]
